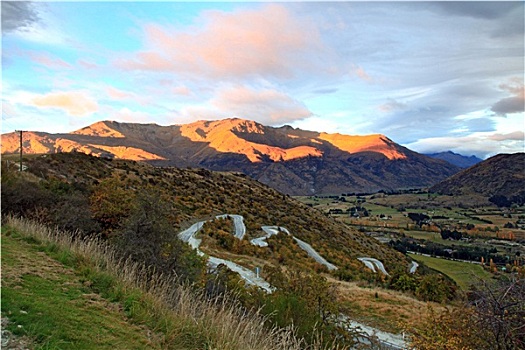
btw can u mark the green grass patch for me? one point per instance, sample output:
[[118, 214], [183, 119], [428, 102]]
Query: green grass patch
[[463, 273], [55, 309], [434, 237]]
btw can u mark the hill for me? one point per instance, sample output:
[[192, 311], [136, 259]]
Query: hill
[[148, 214], [501, 175], [456, 159], [293, 161], [97, 202]]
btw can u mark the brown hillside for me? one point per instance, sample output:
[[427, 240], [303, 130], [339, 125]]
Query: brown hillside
[[503, 174], [199, 194]]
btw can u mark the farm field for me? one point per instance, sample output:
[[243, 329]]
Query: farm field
[[483, 229], [463, 273]]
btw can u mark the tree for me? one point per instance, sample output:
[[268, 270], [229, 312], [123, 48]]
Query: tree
[[451, 329], [435, 288], [491, 319], [309, 303], [500, 310], [500, 201], [146, 236], [110, 203]]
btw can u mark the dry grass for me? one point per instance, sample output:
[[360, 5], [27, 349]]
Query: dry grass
[[383, 309], [212, 324]]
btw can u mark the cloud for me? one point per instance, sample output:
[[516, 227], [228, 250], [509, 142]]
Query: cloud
[[516, 136], [118, 94], [509, 105], [482, 145], [18, 16], [86, 64], [33, 21], [48, 61], [74, 103], [244, 43], [266, 106], [180, 90], [506, 17], [512, 104], [485, 10], [362, 74], [127, 115], [325, 91], [392, 105]]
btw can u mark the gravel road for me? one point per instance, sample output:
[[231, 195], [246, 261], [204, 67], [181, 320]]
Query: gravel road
[[370, 262], [238, 222], [312, 253], [413, 267], [189, 234]]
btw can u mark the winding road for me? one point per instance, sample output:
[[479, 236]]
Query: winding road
[[413, 266], [250, 277], [238, 223], [372, 263], [388, 340], [313, 254]]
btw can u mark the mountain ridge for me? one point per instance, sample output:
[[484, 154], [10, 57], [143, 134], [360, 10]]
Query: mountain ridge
[[501, 175], [456, 159], [294, 161]]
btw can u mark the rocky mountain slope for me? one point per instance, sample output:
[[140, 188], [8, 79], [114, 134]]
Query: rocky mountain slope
[[456, 159], [503, 175], [293, 161]]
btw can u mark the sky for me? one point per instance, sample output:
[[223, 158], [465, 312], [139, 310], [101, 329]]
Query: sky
[[432, 76]]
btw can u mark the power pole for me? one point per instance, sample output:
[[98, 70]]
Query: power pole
[[21, 150]]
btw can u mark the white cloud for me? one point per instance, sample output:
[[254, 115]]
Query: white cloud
[[264, 105], [482, 145], [74, 103], [266, 41]]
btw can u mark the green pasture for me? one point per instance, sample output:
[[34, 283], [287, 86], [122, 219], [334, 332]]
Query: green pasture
[[463, 273]]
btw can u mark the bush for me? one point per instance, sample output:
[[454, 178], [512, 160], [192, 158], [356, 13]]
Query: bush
[[146, 236]]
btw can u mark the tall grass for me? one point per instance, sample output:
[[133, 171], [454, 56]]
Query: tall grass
[[185, 318]]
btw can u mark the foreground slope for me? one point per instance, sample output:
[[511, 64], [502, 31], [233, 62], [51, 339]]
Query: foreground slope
[[501, 175], [293, 161]]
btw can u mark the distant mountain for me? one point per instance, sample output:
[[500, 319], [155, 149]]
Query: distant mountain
[[501, 175], [293, 161], [456, 159]]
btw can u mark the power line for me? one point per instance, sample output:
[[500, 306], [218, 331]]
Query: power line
[[4, 120]]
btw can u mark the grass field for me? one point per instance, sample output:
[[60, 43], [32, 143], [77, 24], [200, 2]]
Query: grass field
[[464, 274], [434, 237], [48, 303]]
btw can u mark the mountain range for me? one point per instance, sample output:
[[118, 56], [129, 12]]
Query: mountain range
[[293, 161], [456, 159]]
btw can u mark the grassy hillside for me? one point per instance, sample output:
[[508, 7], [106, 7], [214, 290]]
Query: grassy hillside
[[138, 210], [64, 294], [53, 306]]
